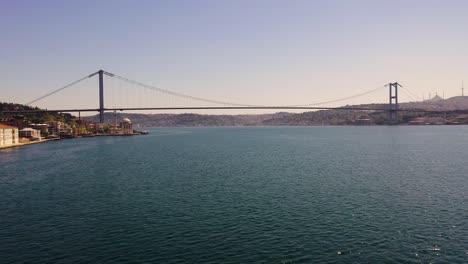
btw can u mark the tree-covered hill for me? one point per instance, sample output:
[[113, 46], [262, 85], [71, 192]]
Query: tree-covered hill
[[33, 117]]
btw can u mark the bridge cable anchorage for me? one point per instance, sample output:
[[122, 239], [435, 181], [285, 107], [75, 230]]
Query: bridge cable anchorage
[[62, 88], [186, 96]]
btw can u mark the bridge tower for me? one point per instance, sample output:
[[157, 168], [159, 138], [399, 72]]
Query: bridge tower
[[101, 96], [393, 101]]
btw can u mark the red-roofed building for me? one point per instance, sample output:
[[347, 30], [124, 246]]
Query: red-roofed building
[[8, 135], [20, 123]]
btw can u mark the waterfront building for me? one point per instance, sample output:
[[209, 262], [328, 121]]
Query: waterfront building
[[91, 127], [54, 127], [58, 128], [100, 128], [30, 133], [44, 128], [66, 131], [115, 130], [19, 122], [127, 127], [8, 135]]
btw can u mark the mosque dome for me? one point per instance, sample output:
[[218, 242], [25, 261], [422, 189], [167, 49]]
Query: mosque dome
[[126, 120]]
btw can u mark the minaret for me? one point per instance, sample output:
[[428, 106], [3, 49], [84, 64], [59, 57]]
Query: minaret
[[463, 90]]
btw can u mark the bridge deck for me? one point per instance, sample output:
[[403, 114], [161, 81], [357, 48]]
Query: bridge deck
[[216, 108]]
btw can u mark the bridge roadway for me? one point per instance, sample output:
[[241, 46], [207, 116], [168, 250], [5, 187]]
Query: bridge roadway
[[215, 108]]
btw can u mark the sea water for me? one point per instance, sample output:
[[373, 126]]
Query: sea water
[[240, 195]]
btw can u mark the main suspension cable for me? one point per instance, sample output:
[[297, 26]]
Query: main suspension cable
[[233, 103], [341, 99], [60, 89], [154, 88]]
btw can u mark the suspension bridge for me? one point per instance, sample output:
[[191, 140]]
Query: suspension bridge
[[207, 104]]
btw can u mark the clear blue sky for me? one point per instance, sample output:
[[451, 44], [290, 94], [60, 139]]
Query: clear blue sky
[[253, 51]]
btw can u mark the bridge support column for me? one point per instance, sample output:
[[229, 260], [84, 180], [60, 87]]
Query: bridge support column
[[101, 96], [393, 102]]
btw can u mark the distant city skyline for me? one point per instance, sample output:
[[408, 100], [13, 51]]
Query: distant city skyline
[[253, 52]]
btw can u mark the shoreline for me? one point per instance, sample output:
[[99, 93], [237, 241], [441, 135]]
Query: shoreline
[[55, 139], [26, 144]]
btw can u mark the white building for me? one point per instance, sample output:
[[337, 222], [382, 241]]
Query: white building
[[28, 132], [127, 127], [8, 135], [55, 127]]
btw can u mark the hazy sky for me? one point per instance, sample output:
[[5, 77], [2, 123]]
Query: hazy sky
[[263, 52]]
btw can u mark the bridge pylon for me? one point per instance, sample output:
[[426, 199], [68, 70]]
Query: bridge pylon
[[101, 96], [393, 102]]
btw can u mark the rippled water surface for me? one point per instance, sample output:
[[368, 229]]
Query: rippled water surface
[[239, 195]]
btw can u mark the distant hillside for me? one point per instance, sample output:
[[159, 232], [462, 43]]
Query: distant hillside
[[323, 117], [174, 120], [439, 104]]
